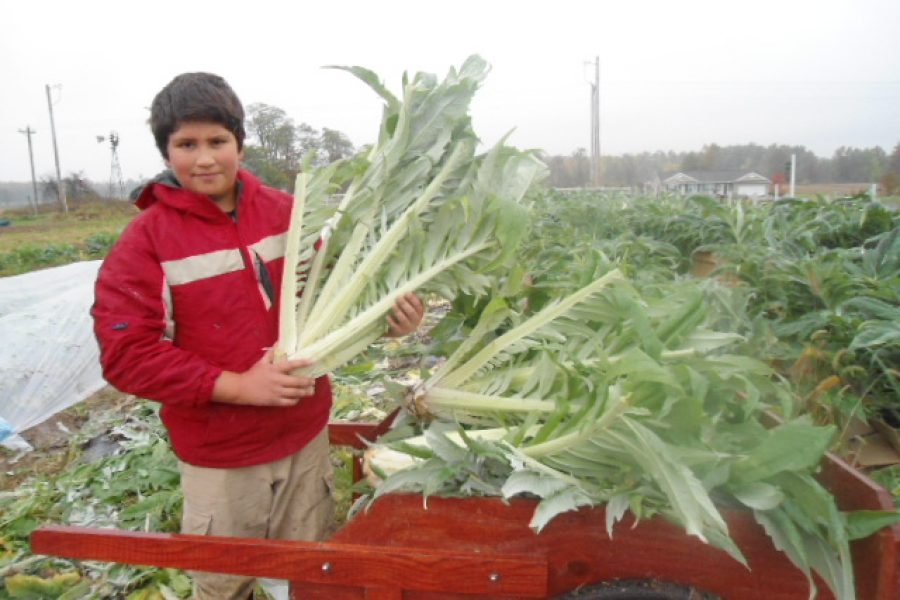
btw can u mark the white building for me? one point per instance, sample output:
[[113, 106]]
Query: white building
[[726, 184]]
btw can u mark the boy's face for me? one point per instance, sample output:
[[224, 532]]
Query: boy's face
[[206, 159]]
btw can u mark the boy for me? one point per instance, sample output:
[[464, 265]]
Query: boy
[[185, 311]]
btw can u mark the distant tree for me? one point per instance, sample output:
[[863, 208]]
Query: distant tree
[[626, 170], [307, 139], [272, 172], [809, 167], [876, 163], [273, 131], [712, 157], [47, 187], [556, 165], [271, 150], [858, 165], [692, 161], [890, 180], [276, 146], [335, 145], [579, 168], [893, 161], [328, 145], [568, 171], [852, 165], [75, 187]]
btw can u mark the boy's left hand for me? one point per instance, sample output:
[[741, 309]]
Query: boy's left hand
[[407, 315]]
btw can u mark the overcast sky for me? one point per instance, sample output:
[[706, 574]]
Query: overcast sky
[[674, 75]]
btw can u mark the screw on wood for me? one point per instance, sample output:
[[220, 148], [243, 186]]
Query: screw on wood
[[494, 577], [326, 567]]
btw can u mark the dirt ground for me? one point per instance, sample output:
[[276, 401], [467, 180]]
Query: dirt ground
[[54, 439]]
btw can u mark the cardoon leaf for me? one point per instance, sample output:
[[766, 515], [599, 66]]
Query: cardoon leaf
[[759, 496], [796, 445], [863, 523], [420, 187], [565, 500]]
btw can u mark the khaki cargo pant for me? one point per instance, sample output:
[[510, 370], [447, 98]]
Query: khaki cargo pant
[[287, 499]]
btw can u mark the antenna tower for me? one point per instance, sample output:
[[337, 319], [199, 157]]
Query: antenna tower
[[116, 185]]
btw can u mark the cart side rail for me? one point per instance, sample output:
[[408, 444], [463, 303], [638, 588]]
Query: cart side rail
[[433, 570]]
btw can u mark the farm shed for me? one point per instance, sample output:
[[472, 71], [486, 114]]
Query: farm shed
[[730, 184]]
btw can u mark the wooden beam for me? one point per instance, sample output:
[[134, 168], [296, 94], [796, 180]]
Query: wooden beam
[[348, 433], [366, 566]]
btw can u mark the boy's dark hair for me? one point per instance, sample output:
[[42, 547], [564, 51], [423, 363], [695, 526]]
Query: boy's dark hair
[[192, 97]]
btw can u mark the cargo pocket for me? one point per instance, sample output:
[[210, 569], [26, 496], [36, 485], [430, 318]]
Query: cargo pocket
[[196, 523]]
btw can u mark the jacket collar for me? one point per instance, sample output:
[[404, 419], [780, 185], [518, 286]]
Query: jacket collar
[[165, 188]]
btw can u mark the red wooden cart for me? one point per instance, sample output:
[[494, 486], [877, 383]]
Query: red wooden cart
[[483, 548]]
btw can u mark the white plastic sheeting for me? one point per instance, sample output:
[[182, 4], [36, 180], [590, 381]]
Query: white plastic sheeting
[[49, 359]]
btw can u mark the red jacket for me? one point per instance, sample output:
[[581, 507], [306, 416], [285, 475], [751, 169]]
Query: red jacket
[[180, 298]]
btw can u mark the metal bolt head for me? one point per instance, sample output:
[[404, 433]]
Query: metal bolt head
[[326, 567], [494, 577]]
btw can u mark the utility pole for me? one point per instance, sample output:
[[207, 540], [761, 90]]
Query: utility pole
[[595, 125], [793, 173], [28, 131], [59, 187]]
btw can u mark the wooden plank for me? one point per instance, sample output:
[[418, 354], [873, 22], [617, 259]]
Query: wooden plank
[[384, 594], [580, 552], [368, 566], [852, 489], [876, 563], [348, 433]]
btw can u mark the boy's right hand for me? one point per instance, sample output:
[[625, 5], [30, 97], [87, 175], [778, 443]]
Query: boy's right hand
[[267, 383]]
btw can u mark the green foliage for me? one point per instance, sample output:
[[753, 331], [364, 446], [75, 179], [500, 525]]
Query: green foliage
[[820, 280], [614, 395], [67, 585], [135, 487], [889, 478], [98, 244], [31, 257], [649, 398]]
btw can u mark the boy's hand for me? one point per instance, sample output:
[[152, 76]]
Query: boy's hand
[[267, 383], [407, 315]]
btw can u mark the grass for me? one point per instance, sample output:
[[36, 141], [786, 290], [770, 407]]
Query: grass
[[50, 239]]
